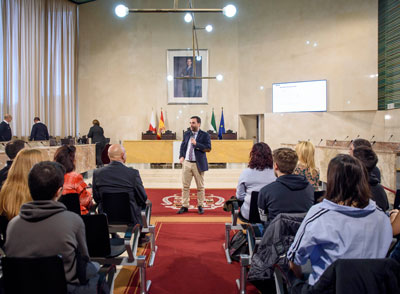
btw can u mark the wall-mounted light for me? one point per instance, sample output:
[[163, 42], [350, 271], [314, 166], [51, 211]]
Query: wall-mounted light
[[220, 77]]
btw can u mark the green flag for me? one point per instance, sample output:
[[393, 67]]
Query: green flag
[[213, 124]]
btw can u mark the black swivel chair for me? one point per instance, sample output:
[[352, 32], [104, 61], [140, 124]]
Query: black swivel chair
[[42, 275], [71, 201], [117, 208], [108, 251]]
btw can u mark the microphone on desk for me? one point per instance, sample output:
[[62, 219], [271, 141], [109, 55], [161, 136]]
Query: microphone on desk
[[373, 143], [358, 136], [29, 145], [373, 136], [345, 138], [390, 137], [320, 141], [334, 142]]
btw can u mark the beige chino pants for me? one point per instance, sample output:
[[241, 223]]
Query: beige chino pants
[[190, 170]]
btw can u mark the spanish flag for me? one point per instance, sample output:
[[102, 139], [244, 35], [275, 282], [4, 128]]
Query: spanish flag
[[161, 126]]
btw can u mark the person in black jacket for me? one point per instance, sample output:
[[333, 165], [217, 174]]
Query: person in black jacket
[[368, 157], [5, 129], [12, 149], [116, 177], [39, 131], [97, 134], [362, 142], [289, 193]]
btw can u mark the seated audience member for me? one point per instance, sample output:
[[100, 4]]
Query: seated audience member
[[12, 149], [39, 131], [346, 224], [73, 182], [15, 190], [306, 166], [362, 142], [258, 174], [368, 157], [289, 193], [44, 227], [116, 177]]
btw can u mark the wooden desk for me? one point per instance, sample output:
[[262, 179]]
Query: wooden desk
[[161, 151]]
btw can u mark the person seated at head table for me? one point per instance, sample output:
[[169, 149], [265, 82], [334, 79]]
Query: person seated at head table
[[258, 174], [44, 227], [368, 157], [12, 149], [289, 193], [306, 165], [73, 182], [346, 224]]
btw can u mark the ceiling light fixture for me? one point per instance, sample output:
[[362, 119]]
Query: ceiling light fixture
[[229, 11]]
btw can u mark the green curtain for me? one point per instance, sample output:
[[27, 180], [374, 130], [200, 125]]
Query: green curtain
[[389, 54]]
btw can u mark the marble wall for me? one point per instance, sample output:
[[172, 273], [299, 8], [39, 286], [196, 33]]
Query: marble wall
[[122, 66]]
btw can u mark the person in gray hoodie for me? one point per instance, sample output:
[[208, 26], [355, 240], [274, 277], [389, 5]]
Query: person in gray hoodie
[[289, 193], [44, 227]]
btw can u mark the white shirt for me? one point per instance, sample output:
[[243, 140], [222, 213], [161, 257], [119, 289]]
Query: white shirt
[[188, 147]]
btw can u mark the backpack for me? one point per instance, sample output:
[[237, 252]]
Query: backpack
[[238, 245]]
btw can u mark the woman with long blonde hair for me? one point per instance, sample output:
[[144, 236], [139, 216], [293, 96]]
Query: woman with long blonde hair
[[15, 190], [306, 166]]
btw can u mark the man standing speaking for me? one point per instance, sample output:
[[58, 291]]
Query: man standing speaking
[[193, 158]]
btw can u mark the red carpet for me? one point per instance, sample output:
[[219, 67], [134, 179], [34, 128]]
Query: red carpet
[[166, 202], [190, 259]]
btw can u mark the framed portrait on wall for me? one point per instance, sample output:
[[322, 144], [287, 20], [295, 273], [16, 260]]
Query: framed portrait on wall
[[180, 64]]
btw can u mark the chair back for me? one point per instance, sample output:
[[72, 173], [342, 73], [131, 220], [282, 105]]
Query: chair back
[[117, 208], [318, 195], [71, 201], [97, 235], [44, 275], [3, 229], [254, 215], [396, 204], [104, 154]]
